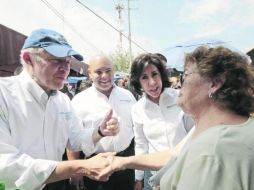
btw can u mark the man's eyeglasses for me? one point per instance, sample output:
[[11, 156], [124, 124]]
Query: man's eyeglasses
[[58, 61], [54, 60], [183, 76]]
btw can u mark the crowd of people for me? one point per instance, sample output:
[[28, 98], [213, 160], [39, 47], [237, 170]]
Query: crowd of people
[[154, 129], [71, 89]]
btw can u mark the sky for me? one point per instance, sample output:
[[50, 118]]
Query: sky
[[155, 24]]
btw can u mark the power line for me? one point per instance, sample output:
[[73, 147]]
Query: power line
[[58, 14], [110, 25]]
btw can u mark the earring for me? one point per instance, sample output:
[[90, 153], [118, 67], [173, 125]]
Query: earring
[[33, 76], [210, 95]]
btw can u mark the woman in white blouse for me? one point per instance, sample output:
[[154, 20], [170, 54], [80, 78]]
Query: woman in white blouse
[[159, 123]]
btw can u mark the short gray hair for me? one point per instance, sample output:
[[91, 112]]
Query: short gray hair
[[32, 51]]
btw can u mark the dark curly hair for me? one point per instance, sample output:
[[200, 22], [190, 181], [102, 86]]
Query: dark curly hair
[[140, 63], [237, 92]]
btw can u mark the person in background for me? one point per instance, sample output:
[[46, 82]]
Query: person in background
[[159, 124], [163, 59], [37, 121], [71, 88], [120, 83], [219, 153], [66, 91], [83, 85], [97, 99], [175, 82]]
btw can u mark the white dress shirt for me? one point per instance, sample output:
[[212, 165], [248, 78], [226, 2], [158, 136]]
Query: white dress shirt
[[158, 127], [92, 106], [34, 131]]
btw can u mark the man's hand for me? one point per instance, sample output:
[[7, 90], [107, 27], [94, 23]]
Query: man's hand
[[97, 164], [116, 164], [110, 125]]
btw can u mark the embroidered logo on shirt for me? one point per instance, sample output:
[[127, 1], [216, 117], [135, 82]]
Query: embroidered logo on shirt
[[66, 115], [169, 106], [125, 100]]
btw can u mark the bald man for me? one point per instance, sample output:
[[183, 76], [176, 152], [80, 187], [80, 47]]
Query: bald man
[[91, 106]]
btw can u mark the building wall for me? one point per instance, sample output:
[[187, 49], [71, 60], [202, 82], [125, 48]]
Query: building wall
[[11, 43]]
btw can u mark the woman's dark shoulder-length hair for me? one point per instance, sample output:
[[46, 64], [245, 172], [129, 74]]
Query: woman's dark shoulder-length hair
[[140, 63], [235, 72]]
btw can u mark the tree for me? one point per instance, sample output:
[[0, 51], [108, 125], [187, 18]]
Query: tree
[[120, 60]]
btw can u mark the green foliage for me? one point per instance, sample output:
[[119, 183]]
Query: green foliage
[[2, 185], [121, 61]]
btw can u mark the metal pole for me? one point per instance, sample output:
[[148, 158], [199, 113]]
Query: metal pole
[[129, 23], [119, 9]]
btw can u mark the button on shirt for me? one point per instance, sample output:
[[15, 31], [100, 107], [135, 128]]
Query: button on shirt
[[34, 132], [158, 127], [92, 106]]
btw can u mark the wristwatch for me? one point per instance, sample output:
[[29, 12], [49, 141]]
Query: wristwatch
[[100, 133]]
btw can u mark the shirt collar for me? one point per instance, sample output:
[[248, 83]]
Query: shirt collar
[[167, 97], [101, 94], [32, 87]]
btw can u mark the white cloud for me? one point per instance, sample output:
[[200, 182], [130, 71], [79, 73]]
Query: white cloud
[[242, 14], [92, 35], [96, 36], [209, 31], [227, 19], [24, 16], [203, 10], [201, 18], [229, 12]]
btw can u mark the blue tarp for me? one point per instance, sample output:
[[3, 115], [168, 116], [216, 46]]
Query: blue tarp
[[175, 55], [74, 80]]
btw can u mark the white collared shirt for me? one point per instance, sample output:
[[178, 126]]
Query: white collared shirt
[[92, 106], [158, 127], [34, 132]]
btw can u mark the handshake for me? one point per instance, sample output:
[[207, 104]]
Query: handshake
[[101, 166]]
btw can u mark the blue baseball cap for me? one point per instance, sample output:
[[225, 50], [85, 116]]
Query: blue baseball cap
[[52, 42]]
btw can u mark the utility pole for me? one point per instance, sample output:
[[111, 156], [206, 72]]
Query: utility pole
[[129, 35], [119, 7]]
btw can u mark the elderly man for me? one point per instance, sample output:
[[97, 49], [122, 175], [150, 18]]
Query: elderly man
[[91, 104], [37, 122]]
